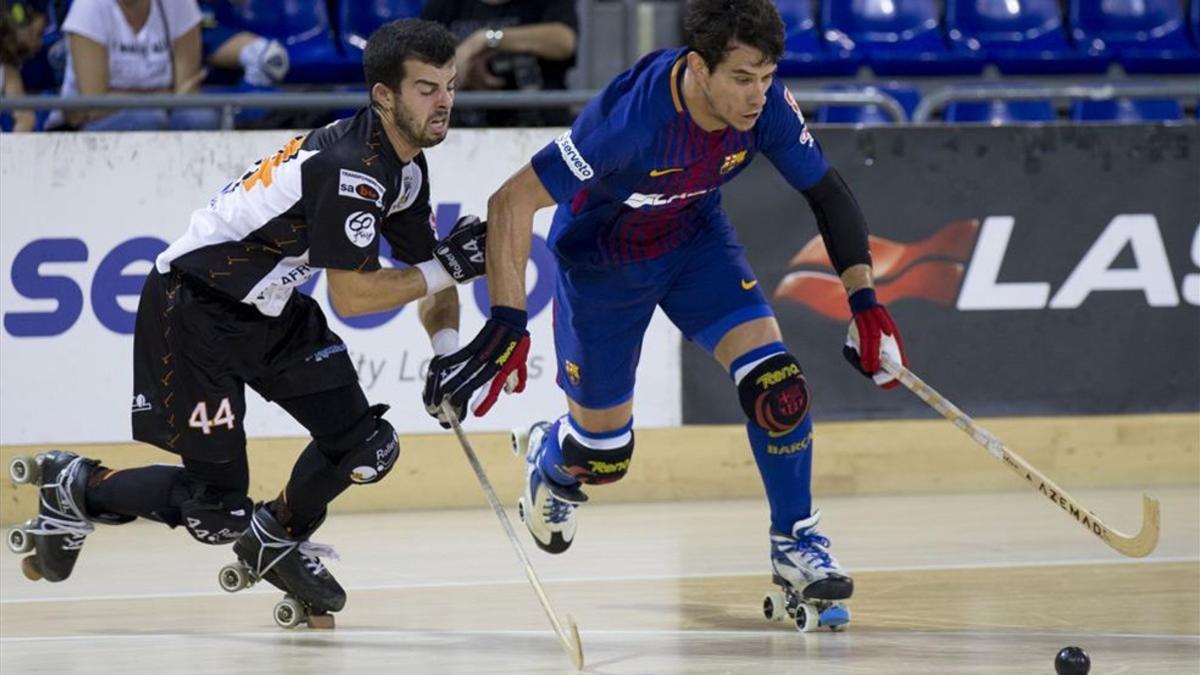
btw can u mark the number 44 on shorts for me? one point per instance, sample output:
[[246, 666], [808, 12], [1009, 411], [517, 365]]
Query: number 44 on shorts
[[200, 419]]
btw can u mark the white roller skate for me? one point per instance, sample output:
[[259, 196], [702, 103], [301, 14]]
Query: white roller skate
[[811, 583], [547, 508]]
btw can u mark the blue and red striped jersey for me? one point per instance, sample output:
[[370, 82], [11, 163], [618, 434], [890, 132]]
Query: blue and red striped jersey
[[635, 177]]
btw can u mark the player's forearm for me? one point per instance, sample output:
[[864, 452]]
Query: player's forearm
[[843, 228], [857, 277], [439, 311], [510, 233], [552, 41], [357, 293]]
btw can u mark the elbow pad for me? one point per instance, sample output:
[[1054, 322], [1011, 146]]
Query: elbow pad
[[840, 221]]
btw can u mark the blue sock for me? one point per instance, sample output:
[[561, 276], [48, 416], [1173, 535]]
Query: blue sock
[[784, 462]]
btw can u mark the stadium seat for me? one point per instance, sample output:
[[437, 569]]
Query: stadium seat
[[301, 25], [897, 37], [1127, 110], [805, 53], [1145, 36], [1020, 36], [1000, 112], [906, 96], [357, 19]]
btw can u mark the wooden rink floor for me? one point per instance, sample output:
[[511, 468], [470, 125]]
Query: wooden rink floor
[[988, 583]]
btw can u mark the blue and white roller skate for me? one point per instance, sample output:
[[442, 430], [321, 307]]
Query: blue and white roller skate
[[547, 508], [811, 582]]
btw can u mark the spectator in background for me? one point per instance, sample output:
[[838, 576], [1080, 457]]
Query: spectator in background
[[510, 45], [133, 47], [264, 62], [22, 23]]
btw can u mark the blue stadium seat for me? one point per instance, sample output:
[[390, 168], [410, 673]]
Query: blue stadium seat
[[357, 19], [1000, 112], [1020, 36], [906, 96], [1146, 36], [1127, 110], [301, 25], [804, 51], [898, 37]]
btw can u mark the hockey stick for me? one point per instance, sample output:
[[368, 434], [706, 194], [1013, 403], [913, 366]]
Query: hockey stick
[[569, 637], [1135, 547]]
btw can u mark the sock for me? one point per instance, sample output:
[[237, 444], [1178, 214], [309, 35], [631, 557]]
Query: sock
[[315, 482], [145, 491], [784, 462], [551, 461]]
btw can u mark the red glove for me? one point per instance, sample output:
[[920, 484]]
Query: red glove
[[497, 354], [872, 332]]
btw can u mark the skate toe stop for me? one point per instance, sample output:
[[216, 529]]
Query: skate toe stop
[[30, 568], [320, 621]]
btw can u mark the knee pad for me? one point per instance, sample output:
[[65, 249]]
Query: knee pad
[[775, 395], [374, 455], [595, 466], [213, 517]]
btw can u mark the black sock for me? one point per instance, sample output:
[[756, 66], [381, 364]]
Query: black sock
[[144, 491]]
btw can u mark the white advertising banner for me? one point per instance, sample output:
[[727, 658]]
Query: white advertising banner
[[83, 215]]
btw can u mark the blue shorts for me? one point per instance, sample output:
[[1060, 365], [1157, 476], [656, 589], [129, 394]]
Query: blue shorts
[[706, 288]]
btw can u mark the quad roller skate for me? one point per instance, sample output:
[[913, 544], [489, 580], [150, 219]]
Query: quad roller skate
[[546, 507], [811, 583], [291, 564], [56, 534]]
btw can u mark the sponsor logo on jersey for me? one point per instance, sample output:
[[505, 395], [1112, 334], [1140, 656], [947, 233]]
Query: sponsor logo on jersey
[[655, 173], [806, 138], [360, 186], [140, 404], [574, 159], [731, 161], [360, 228], [638, 200]]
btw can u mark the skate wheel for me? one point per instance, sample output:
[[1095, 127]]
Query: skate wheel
[[521, 508], [774, 606], [289, 612], [808, 618], [320, 621], [19, 541], [520, 441], [837, 617], [23, 470], [234, 577], [30, 568]]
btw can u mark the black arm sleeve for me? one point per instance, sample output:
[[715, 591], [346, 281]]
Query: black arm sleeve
[[840, 220]]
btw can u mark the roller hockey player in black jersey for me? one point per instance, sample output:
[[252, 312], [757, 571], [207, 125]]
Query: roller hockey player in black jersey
[[219, 312]]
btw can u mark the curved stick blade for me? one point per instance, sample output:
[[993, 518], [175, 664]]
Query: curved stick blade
[[575, 650], [1145, 541]]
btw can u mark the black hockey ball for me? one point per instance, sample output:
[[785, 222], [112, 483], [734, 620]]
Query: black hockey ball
[[1072, 661]]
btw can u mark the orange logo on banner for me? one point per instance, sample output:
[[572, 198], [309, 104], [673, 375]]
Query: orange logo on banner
[[264, 169]]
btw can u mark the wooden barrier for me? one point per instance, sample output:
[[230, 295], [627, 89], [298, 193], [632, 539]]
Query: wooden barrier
[[714, 462]]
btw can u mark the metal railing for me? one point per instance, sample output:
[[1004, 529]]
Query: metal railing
[[230, 103], [936, 101]]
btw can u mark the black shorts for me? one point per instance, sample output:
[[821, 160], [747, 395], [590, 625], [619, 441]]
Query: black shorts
[[196, 349]]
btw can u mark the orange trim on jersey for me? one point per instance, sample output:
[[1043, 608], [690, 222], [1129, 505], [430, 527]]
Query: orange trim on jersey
[[674, 87]]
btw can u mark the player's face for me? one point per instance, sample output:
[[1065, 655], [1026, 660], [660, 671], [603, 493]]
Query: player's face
[[421, 111], [737, 88]]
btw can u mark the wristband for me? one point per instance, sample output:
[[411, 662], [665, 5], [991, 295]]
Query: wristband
[[436, 276]]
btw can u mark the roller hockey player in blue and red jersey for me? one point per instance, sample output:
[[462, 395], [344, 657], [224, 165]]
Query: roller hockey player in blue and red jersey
[[219, 312], [639, 225]]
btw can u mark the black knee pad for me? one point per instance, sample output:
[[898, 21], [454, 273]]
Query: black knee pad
[[213, 517], [596, 467], [775, 394], [374, 455]]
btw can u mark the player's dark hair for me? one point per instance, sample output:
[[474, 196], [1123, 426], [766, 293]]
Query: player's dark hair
[[393, 43], [709, 26]]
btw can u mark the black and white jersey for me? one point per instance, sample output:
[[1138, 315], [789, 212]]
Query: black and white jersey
[[321, 201]]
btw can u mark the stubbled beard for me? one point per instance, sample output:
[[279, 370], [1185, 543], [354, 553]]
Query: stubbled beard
[[407, 127]]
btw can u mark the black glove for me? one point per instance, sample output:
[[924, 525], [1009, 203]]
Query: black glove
[[461, 253], [496, 353]]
